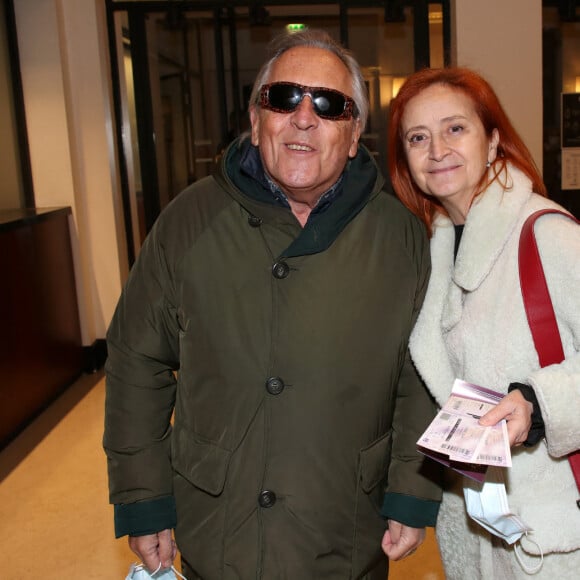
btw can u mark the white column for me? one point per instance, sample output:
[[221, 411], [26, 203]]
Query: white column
[[63, 50], [502, 40]]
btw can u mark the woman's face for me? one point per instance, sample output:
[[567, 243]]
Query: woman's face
[[446, 146]]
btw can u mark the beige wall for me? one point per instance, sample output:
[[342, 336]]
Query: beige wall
[[66, 93], [503, 41]]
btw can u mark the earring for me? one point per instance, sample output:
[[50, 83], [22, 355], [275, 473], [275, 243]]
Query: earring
[[488, 164]]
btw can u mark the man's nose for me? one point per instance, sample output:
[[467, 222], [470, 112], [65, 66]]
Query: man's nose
[[304, 115]]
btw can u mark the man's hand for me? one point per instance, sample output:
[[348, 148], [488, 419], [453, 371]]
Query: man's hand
[[401, 541], [518, 414], [155, 549]]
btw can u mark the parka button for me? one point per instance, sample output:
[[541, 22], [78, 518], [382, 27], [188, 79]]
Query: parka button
[[267, 499], [275, 385], [280, 270], [254, 221]]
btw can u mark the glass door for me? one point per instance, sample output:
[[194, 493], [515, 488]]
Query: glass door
[[182, 78]]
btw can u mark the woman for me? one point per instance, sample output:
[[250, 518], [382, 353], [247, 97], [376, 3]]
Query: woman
[[457, 162]]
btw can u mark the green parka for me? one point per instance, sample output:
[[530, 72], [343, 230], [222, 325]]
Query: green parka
[[282, 353]]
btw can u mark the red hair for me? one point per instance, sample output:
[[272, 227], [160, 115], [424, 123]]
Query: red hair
[[510, 148]]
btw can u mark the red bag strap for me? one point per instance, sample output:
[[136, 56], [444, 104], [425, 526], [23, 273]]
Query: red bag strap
[[539, 309], [537, 301]]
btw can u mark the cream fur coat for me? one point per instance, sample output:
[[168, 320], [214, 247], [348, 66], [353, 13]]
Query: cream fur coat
[[473, 326]]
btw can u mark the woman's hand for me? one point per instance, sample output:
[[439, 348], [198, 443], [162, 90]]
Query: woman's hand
[[518, 414]]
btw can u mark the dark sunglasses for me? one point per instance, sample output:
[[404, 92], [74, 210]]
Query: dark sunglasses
[[284, 97]]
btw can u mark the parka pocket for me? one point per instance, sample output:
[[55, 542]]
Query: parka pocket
[[374, 461], [369, 525], [201, 462]]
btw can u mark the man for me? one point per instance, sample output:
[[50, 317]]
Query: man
[[282, 291]]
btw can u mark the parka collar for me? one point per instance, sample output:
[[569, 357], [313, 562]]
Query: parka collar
[[361, 181]]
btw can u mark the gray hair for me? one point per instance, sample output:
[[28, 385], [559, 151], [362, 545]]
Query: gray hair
[[314, 38]]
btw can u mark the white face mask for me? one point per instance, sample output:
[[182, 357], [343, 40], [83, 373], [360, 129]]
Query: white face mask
[[139, 572], [488, 506]]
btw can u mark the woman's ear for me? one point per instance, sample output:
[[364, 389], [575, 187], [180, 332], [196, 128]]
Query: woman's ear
[[493, 143]]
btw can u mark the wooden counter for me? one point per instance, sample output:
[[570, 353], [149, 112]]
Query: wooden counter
[[41, 349]]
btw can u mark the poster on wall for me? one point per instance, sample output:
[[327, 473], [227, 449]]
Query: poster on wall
[[571, 168], [570, 132], [570, 120]]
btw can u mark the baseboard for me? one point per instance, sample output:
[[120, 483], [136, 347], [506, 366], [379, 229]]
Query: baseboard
[[95, 355]]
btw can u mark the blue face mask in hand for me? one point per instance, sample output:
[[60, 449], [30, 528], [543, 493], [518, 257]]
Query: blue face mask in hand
[[139, 572]]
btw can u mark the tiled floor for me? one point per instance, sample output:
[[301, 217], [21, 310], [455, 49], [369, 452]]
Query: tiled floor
[[55, 521]]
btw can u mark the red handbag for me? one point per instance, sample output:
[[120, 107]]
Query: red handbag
[[539, 309]]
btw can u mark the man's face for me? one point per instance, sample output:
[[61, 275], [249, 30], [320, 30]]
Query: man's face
[[303, 153]]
